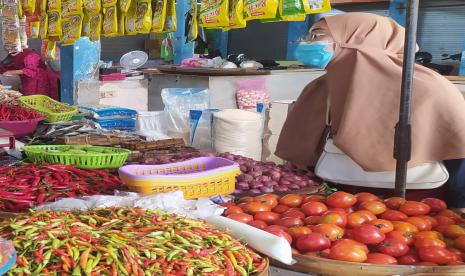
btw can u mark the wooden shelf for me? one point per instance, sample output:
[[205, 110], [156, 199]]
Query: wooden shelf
[[336, 2]]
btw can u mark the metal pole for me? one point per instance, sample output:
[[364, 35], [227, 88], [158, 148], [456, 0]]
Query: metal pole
[[402, 140]]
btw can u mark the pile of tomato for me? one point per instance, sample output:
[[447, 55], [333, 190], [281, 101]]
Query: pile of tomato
[[359, 228]]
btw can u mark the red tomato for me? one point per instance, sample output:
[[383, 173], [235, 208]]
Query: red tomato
[[269, 199], [428, 235], [426, 264], [334, 218], [254, 207], [245, 218], [368, 234], [276, 227], [450, 214], [312, 242], [336, 210], [233, 210], [362, 197], [246, 199], [348, 234], [393, 215], [409, 259], [419, 243], [436, 255], [460, 243], [298, 231], [421, 223], [375, 207], [260, 224], [393, 247], [227, 204], [293, 213], [289, 222], [380, 258], [320, 254], [394, 202], [456, 251], [443, 220], [268, 217], [331, 231], [453, 231], [312, 220], [414, 208], [455, 257], [384, 226], [317, 198], [359, 245], [281, 209], [407, 238], [367, 214], [435, 204], [431, 220], [348, 252], [314, 208], [280, 233], [341, 200], [404, 227], [356, 219], [292, 200]]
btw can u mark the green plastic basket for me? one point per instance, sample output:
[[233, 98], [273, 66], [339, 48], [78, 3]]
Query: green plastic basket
[[53, 110], [114, 157]]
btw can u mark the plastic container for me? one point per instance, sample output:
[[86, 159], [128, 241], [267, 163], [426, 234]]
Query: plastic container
[[113, 158], [21, 129], [53, 110], [198, 177]]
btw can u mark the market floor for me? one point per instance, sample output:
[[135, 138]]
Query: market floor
[[275, 271]]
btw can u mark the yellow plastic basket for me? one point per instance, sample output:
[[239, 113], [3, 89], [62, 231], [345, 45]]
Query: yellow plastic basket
[[53, 110], [199, 177]]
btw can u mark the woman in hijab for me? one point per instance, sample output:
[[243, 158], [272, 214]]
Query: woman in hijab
[[363, 55]]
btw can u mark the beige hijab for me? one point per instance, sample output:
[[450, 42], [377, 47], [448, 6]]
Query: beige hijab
[[363, 82]]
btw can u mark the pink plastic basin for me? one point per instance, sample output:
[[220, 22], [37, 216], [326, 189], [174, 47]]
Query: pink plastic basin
[[21, 128]]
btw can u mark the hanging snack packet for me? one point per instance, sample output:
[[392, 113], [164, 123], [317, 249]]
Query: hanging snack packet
[[143, 16], [110, 21], [28, 6], [214, 13], [236, 14], [43, 26], [92, 26], [53, 5], [51, 51], [124, 5], [71, 6], [170, 22], [316, 6], [289, 18], [191, 21], [93, 5], [42, 4], [261, 9], [291, 7], [121, 23], [54, 24], [72, 28], [130, 23], [34, 27], [108, 3], [159, 15]]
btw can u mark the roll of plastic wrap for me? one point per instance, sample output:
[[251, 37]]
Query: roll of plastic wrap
[[238, 132]]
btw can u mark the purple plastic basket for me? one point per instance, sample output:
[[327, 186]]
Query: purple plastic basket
[[21, 128]]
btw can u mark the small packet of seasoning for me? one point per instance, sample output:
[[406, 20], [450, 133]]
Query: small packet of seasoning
[[143, 16], [72, 28], [236, 14], [110, 21], [43, 26], [316, 6], [28, 6], [71, 6], [93, 26], [261, 9], [214, 13], [159, 15], [34, 27], [54, 24], [170, 20], [54, 5], [124, 5], [291, 7], [93, 5], [108, 3], [192, 31], [121, 23], [130, 24], [51, 50], [42, 6]]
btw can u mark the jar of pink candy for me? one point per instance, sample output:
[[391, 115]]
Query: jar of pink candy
[[250, 92]]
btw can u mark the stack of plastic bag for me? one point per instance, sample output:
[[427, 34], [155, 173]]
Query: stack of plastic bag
[[111, 118]]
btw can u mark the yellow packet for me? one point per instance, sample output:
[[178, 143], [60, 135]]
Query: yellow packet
[[93, 26], [316, 6], [71, 6], [28, 6], [121, 23], [93, 5], [236, 14], [72, 28], [54, 24], [51, 50], [124, 5], [54, 5], [110, 21], [214, 13], [170, 20], [159, 15], [42, 6], [108, 3], [130, 19], [143, 16], [261, 9], [43, 26], [20, 9], [289, 18], [193, 31], [34, 26]]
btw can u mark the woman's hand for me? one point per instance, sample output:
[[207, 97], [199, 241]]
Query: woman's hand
[[13, 73]]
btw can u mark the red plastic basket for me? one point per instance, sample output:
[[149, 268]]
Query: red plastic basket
[[21, 128]]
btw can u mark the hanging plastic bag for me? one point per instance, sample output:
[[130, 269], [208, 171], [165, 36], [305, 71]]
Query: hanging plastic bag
[[42, 6], [201, 129], [121, 23], [214, 13], [72, 28], [54, 5], [261, 9], [236, 14], [191, 27], [43, 26], [110, 22], [34, 27], [54, 24], [143, 16], [316, 6], [28, 6], [159, 15], [289, 18], [124, 5], [130, 24], [108, 3], [291, 7], [167, 49], [71, 6], [22, 32], [170, 22], [93, 5], [51, 50], [251, 92]]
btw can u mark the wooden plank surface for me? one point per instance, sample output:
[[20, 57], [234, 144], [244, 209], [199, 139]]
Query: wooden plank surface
[[171, 69], [455, 78]]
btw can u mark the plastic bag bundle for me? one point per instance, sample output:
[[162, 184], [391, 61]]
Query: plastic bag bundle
[[238, 132]]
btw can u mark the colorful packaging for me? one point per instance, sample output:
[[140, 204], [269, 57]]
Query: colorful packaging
[[48, 49], [193, 31], [71, 6], [34, 27], [42, 6], [261, 9], [93, 26], [43, 26], [130, 24], [110, 21], [72, 28], [143, 16], [214, 13], [121, 23], [236, 14], [316, 6], [291, 7], [170, 22], [108, 3], [54, 24], [23, 32], [124, 5], [54, 5], [93, 5], [159, 15], [28, 7]]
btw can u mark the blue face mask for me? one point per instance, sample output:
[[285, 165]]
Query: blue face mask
[[313, 54]]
